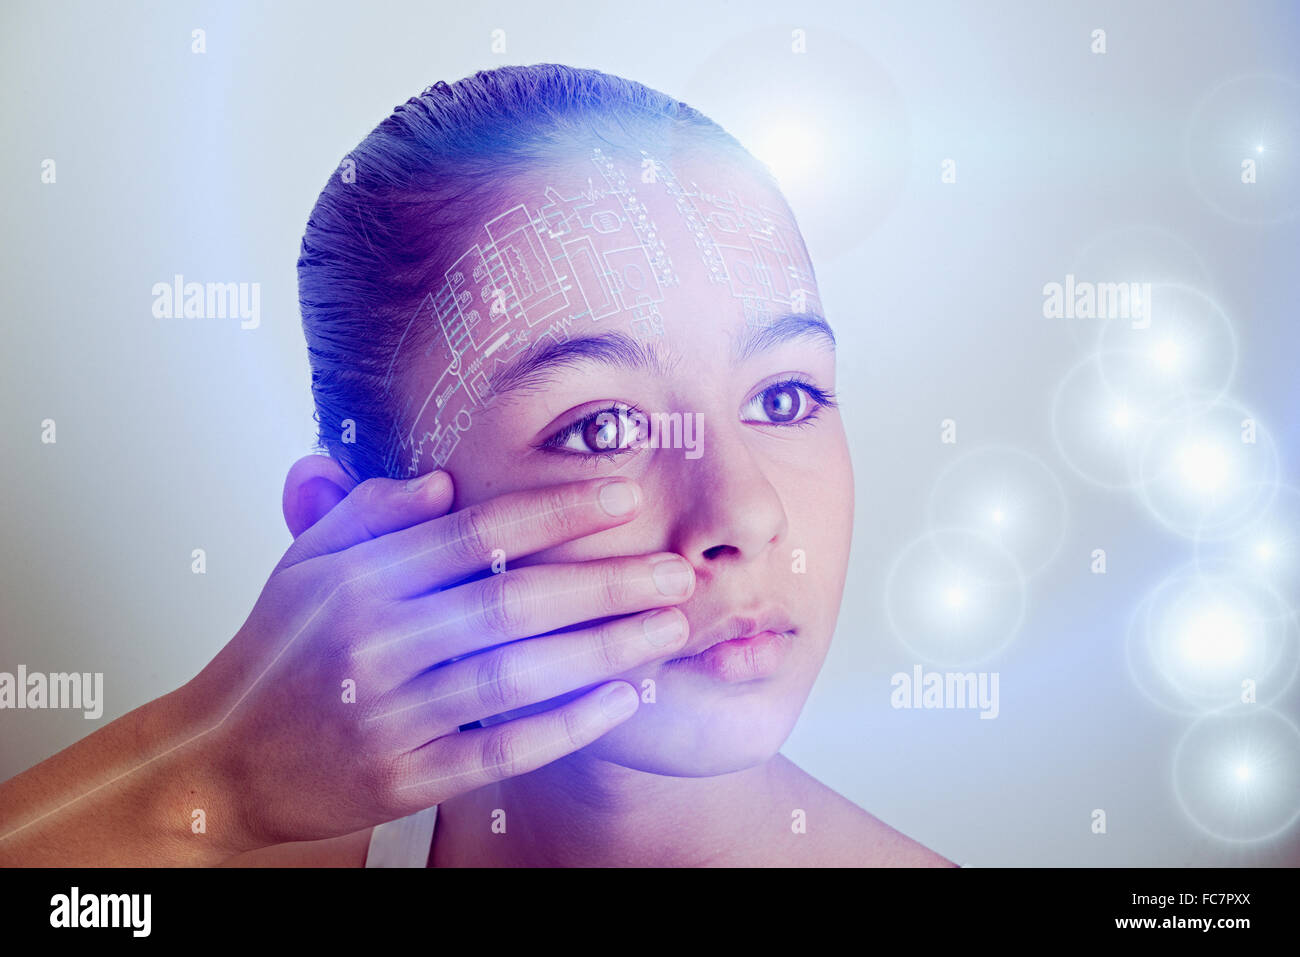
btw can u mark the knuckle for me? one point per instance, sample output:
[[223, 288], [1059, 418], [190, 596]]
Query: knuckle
[[614, 646], [612, 587], [349, 659], [499, 681], [501, 603], [573, 729], [555, 514], [502, 756], [342, 659], [469, 538]]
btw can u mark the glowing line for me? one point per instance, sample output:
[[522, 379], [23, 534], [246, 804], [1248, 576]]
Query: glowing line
[[460, 774], [481, 684], [421, 554]]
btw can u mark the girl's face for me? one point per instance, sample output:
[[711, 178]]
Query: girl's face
[[727, 370]]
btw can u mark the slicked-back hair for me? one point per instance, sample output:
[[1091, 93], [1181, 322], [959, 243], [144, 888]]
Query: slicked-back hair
[[378, 240]]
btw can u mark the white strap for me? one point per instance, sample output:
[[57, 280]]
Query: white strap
[[404, 842]]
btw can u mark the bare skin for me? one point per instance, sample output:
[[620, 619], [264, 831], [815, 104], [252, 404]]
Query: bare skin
[[846, 836], [388, 588], [679, 785], [265, 741]]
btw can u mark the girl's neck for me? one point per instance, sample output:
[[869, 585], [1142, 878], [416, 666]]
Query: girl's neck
[[582, 811]]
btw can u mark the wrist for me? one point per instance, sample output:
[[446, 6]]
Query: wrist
[[191, 802]]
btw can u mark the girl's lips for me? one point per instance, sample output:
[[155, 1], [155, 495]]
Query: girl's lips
[[736, 627], [746, 658]]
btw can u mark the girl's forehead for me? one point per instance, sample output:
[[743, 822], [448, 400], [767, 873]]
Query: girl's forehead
[[612, 241]]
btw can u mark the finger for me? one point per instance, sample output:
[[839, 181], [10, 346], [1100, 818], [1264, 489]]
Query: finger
[[525, 602], [375, 507], [526, 672], [448, 549], [471, 759]]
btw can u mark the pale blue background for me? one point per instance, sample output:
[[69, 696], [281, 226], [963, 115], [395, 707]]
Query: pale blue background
[[177, 434]]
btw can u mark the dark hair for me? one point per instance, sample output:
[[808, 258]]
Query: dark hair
[[407, 200]]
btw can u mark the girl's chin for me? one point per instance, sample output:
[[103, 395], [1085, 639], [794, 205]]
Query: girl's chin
[[693, 727], [696, 745], [706, 761]]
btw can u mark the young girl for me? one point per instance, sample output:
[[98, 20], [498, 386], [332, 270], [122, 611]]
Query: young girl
[[565, 578]]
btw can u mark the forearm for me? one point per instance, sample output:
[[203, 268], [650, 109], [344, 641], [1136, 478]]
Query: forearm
[[126, 796]]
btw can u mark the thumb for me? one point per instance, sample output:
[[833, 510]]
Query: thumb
[[373, 508]]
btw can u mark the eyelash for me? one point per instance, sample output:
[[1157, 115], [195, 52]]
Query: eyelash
[[821, 398]]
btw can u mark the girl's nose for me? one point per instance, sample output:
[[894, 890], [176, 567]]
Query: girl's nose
[[728, 508]]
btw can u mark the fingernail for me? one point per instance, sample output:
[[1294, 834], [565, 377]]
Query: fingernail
[[617, 498], [423, 481], [672, 577], [664, 628], [619, 702]]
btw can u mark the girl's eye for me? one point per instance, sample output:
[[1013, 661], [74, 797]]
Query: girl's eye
[[607, 432], [786, 403], [617, 430]]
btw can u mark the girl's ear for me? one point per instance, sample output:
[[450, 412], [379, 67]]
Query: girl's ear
[[314, 485]]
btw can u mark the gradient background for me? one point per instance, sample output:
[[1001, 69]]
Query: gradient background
[[176, 434]]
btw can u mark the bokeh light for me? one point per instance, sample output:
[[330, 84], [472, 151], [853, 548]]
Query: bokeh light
[[1009, 495], [955, 597], [1207, 471], [1234, 122], [1201, 635], [1237, 774]]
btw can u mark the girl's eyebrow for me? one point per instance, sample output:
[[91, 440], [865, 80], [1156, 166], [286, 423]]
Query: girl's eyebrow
[[540, 364], [790, 326]]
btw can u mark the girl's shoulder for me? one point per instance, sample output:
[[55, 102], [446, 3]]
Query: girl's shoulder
[[838, 833]]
